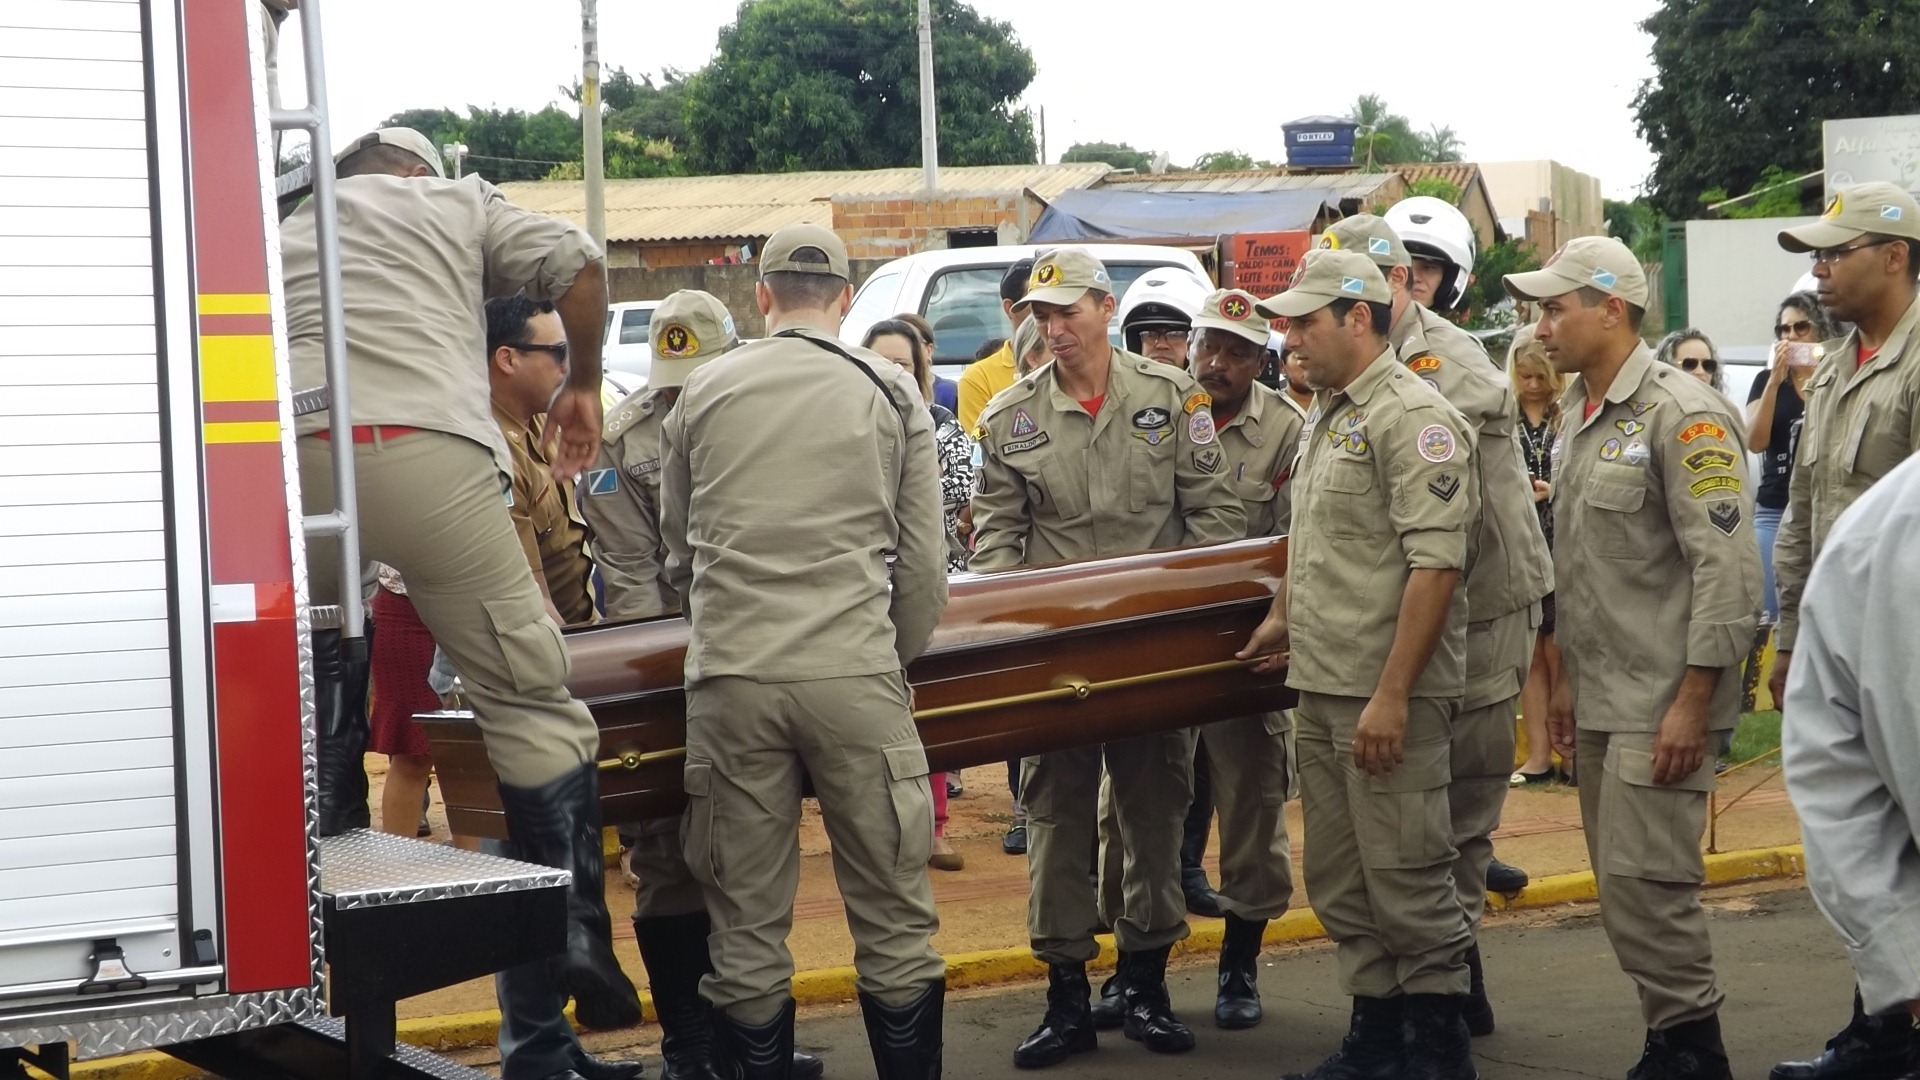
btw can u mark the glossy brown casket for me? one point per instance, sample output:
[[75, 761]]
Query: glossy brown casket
[[1023, 662]]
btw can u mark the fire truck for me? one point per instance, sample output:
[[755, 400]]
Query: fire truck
[[161, 881]]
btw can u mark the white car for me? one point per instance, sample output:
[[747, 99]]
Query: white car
[[958, 291], [627, 346]]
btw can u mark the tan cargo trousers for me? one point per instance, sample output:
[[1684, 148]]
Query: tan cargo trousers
[[1250, 762], [667, 885], [1499, 652], [431, 507], [1643, 841], [1379, 852], [747, 745], [1152, 778]]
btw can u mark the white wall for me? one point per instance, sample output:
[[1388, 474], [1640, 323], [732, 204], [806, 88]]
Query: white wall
[[1737, 274]]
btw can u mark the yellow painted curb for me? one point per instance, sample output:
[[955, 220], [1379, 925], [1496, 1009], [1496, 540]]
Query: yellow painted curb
[[993, 967]]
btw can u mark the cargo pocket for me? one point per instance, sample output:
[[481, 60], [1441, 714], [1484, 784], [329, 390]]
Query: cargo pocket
[[912, 805], [1653, 831], [1349, 504], [1069, 493], [1613, 503], [535, 656], [1279, 725], [1151, 475], [1404, 823], [696, 824]]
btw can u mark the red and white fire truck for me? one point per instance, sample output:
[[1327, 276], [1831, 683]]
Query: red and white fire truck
[[161, 883]]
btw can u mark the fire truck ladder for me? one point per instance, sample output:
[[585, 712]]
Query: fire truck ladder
[[400, 917]]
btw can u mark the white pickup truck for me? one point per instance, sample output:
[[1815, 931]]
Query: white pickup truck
[[627, 347], [958, 291]]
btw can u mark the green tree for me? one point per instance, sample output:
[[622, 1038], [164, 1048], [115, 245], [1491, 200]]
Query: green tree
[[1228, 161], [1440, 144], [834, 84], [1743, 84], [1118, 155], [1487, 305], [1777, 194], [1383, 137], [1638, 225], [1445, 190]]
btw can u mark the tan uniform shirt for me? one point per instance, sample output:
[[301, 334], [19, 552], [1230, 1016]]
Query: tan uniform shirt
[[1509, 567], [1259, 444], [1862, 420], [548, 521], [787, 479], [623, 505], [1057, 484], [419, 256], [1654, 556], [1385, 486]]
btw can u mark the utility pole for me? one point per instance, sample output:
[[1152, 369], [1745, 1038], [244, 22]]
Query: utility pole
[[593, 163], [1043, 134], [929, 137]]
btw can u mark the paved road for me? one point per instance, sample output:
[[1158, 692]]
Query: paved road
[[1565, 1010]]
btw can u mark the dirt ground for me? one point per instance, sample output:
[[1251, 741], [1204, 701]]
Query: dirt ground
[[984, 905]]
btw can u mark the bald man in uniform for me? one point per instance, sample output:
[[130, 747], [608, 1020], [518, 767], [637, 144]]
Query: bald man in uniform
[[418, 255], [1371, 609], [1658, 579], [1509, 571], [808, 591], [1099, 452]]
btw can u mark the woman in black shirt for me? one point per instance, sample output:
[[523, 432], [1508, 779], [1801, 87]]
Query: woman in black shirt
[[1775, 407]]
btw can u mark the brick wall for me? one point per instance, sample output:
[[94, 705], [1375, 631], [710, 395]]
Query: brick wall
[[892, 226], [733, 284]]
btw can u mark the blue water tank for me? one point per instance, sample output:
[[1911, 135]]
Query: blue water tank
[[1320, 141]]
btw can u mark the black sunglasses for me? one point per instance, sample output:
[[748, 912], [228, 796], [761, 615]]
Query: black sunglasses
[[1690, 363], [558, 350], [1798, 326]]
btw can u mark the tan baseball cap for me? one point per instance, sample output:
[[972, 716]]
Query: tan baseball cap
[[1235, 311], [1878, 208], [405, 138], [1326, 275], [821, 251], [1062, 275], [688, 329], [1369, 235], [1590, 262]]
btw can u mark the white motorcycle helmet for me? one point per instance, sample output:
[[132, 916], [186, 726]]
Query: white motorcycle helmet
[[1434, 229], [1163, 297]]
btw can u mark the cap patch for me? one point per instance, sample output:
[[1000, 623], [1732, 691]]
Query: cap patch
[[1835, 208], [1890, 212], [1330, 241], [1604, 278], [1046, 274], [677, 341], [1352, 285], [1436, 444], [1234, 307], [1100, 278], [1022, 423], [1379, 246]]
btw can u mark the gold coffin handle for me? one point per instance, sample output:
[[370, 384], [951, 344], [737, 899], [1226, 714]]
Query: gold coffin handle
[[1076, 689]]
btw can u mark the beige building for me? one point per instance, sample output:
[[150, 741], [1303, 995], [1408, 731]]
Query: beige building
[[1545, 202]]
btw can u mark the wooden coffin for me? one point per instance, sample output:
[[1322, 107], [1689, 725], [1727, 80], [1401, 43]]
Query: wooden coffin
[[1023, 662]]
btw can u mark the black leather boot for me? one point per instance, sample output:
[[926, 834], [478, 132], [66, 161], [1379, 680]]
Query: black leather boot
[[1067, 1029], [558, 825], [588, 1067], [1110, 1008], [340, 671], [1689, 1051], [755, 1051], [1200, 897], [1238, 1005], [1477, 1010], [1375, 1047], [1438, 1046], [1869, 1048], [1502, 878], [673, 948], [1150, 1020], [905, 1039]]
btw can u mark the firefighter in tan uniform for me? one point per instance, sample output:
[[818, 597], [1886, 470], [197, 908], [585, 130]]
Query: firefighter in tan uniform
[[808, 591], [418, 255], [1658, 580], [1247, 757], [1099, 452], [1384, 502], [1509, 570], [1863, 419], [622, 501]]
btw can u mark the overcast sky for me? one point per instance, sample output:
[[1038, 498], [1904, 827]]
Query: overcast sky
[[1517, 79]]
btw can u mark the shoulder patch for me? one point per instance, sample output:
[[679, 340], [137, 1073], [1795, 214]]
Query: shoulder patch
[[603, 481], [1709, 457], [1424, 363], [1436, 444], [1702, 429], [1195, 400]]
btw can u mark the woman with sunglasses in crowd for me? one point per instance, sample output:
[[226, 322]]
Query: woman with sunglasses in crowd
[[1775, 407], [1691, 352]]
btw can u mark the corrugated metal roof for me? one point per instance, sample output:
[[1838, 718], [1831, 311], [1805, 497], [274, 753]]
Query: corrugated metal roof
[[1460, 174], [1348, 184], [729, 207]]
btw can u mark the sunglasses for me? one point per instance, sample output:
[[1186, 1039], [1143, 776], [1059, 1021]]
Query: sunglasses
[[1795, 328], [1710, 366], [557, 350]]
